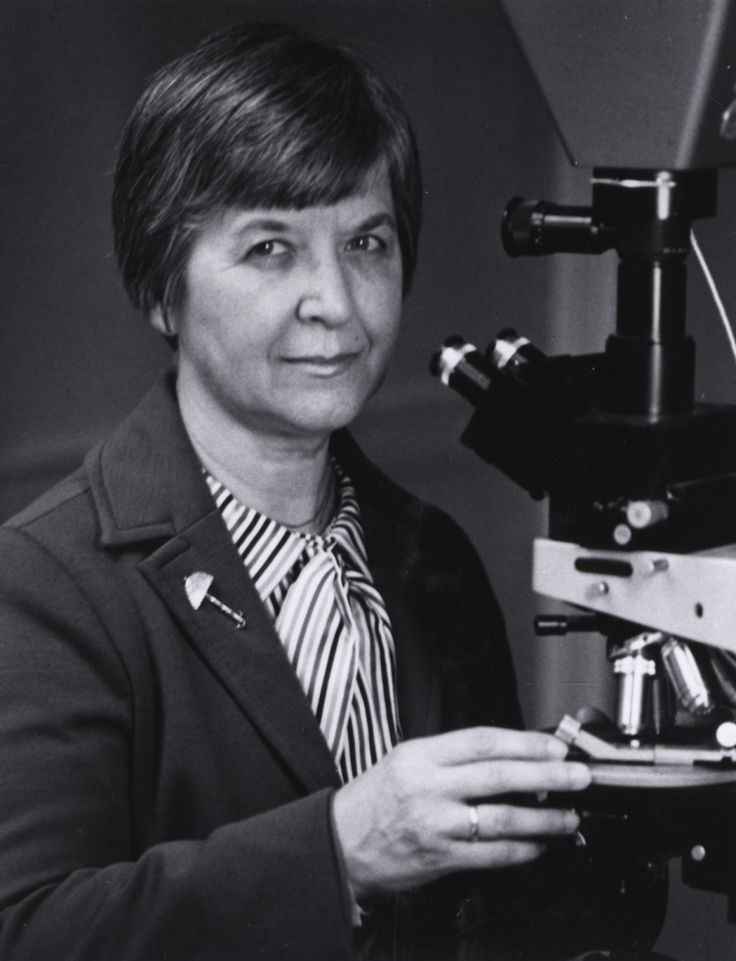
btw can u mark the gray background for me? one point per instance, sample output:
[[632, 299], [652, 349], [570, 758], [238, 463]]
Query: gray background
[[74, 357]]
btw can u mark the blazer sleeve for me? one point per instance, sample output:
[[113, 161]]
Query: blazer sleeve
[[71, 885]]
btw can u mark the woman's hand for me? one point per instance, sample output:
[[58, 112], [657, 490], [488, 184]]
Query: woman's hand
[[412, 818]]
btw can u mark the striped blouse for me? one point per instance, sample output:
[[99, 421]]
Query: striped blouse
[[330, 618]]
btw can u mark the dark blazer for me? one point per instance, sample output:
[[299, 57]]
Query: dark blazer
[[164, 788]]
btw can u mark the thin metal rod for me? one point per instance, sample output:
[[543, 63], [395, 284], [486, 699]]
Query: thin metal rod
[[714, 293]]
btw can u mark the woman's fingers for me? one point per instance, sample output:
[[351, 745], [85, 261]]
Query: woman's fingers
[[490, 822], [486, 743], [500, 835], [485, 855], [491, 778]]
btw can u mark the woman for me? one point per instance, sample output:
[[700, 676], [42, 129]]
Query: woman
[[253, 693]]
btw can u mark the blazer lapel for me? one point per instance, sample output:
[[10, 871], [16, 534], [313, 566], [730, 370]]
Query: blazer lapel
[[251, 662], [148, 487]]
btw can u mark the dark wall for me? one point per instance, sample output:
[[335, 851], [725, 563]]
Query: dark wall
[[74, 357]]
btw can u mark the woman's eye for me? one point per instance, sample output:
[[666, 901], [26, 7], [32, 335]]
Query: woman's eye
[[367, 243], [267, 250]]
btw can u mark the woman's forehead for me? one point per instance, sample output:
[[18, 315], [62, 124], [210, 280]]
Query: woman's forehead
[[372, 200]]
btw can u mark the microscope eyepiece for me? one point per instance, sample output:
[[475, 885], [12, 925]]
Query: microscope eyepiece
[[515, 356], [460, 365]]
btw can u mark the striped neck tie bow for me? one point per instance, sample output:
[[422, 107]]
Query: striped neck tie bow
[[337, 635], [330, 619]]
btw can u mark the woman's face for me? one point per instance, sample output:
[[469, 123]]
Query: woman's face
[[289, 317]]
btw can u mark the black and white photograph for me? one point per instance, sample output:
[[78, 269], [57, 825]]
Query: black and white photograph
[[367, 461]]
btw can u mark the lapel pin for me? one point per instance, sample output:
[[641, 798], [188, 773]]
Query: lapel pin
[[197, 586]]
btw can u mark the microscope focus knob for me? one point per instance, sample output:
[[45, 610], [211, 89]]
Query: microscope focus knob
[[726, 734], [642, 514]]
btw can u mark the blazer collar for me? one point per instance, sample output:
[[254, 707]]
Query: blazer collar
[[145, 479]]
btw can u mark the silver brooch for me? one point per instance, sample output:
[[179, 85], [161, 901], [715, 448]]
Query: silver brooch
[[197, 586]]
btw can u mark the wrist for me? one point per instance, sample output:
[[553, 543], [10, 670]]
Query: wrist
[[356, 911]]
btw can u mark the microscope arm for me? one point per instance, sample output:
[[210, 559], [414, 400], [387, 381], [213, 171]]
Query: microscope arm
[[690, 596]]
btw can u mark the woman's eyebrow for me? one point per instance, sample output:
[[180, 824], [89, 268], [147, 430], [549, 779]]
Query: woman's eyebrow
[[261, 223], [377, 220]]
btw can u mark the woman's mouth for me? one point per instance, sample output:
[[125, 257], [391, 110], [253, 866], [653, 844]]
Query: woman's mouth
[[324, 365]]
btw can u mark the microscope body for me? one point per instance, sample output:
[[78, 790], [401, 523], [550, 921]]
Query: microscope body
[[640, 479]]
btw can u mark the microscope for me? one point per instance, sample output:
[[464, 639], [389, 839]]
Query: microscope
[[640, 479]]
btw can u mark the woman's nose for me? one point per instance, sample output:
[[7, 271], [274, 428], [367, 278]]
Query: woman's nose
[[327, 297]]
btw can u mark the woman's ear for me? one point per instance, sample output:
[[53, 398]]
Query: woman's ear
[[160, 321]]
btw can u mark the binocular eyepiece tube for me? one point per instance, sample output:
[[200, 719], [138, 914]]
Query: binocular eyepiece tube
[[461, 366]]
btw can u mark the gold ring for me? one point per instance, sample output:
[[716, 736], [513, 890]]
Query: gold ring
[[474, 826]]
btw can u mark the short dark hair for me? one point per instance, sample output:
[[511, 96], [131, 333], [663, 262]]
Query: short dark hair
[[257, 115]]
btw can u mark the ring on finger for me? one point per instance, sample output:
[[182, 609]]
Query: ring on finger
[[473, 824]]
